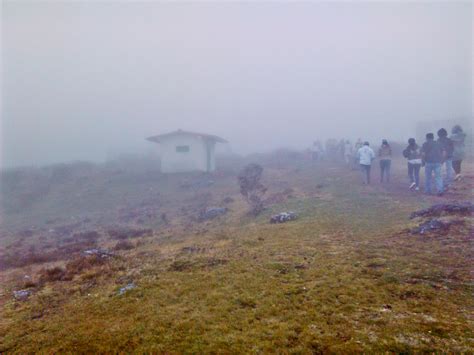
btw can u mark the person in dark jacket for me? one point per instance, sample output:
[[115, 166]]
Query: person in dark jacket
[[413, 155], [432, 157], [385, 156], [448, 149], [458, 137]]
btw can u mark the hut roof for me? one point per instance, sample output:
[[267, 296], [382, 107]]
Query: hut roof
[[161, 137]]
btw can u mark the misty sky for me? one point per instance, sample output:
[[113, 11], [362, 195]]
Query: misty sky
[[86, 80]]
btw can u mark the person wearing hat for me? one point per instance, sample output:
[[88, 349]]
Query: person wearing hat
[[413, 155], [385, 156], [432, 157], [365, 155]]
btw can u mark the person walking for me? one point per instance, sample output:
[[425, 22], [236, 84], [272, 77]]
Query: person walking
[[340, 149], [458, 137], [413, 155], [365, 155], [347, 152], [448, 149], [358, 144], [316, 151], [385, 156], [432, 157]]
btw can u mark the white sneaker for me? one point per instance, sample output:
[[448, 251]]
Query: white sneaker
[[413, 184], [458, 177]]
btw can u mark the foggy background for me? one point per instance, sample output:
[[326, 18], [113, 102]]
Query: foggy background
[[87, 80]]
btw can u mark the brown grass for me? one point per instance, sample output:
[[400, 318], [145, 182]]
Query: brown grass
[[54, 274], [124, 245], [79, 264], [346, 277]]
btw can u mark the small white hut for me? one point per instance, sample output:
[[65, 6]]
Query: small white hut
[[183, 151]]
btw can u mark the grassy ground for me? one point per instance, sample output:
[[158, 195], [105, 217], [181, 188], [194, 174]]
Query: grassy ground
[[345, 277]]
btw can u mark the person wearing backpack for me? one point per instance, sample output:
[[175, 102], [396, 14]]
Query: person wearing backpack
[[432, 157]]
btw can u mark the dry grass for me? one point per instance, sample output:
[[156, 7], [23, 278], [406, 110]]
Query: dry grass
[[345, 277], [54, 274], [124, 245]]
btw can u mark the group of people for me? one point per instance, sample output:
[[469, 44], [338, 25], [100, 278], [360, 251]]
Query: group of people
[[331, 150], [432, 155], [365, 156]]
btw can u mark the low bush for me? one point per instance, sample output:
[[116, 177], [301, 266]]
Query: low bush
[[125, 233], [82, 263], [124, 245], [54, 274]]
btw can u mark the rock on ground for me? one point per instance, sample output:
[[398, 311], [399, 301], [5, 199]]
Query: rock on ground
[[435, 225], [126, 288], [459, 208], [102, 253], [211, 213], [21, 295], [283, 217]]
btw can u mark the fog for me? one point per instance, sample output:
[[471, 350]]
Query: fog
[[87, 80]]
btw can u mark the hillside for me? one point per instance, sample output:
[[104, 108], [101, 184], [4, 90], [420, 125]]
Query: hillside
[[351, 274]]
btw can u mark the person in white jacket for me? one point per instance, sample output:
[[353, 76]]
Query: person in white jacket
[[365, 155]]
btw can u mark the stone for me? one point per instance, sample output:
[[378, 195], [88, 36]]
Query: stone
[[126, 288], [283, 217], [212, 212], [21, 295], [102, 253]]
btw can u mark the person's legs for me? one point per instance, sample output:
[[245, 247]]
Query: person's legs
[[428, 172], [449, 172], [438, 178], [416, 171], [410, 173], [387, 170], [364, 174], [457, 168], [368, 174], [382, 168]]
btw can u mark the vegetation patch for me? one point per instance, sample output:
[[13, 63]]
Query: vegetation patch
[[196, 264], [124, 245], [347, 276], [54, 274]]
